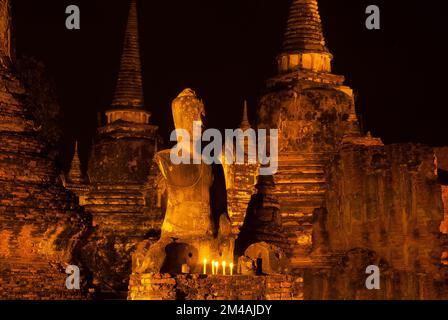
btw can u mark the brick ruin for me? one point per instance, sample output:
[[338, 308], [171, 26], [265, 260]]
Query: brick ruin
[[121, 196], [389, 215], [200, 287], [341, 200], [42, 225]]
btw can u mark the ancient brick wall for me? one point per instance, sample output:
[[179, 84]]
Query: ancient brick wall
[[121, 220], [122, 156], [34, 280], [312, 120], [384, 208], [201, 287], [347, 282], [444, 226], [41, 223], [386, 199], [240, 184], [442, 165]]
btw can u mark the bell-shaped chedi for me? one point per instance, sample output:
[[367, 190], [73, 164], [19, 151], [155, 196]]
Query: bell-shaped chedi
[[313, 112], [347, 200], [41, 223], [123, 151], [119, 170]]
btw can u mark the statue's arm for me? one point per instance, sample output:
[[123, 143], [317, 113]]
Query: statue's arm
[[161, 164]]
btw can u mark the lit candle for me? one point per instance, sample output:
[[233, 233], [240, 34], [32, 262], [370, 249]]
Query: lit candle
[[224, 268], [231, 269], [213, 266], [205, 266], [217, 268]]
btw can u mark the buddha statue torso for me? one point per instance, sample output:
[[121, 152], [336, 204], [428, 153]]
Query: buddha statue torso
[[188, 213], [188, 232]]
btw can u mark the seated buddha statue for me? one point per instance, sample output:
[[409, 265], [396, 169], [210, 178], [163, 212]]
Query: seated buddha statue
[[191, 231]]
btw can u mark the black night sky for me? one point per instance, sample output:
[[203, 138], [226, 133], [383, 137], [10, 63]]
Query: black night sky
[[226, 49]]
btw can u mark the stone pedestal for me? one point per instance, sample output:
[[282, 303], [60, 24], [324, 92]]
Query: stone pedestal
[[208, 287]]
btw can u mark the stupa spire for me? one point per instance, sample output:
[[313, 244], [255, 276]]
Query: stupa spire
[[304, 42], [75, 174], [245, 124], [129, 89], [304, 28]]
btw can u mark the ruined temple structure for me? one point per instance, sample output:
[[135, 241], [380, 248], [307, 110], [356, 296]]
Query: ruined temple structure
[[76, 180], [41, 222], [384, 208], [313, 111], [196, 233], [240, 182], [341, 200], [347, 201], [125, 210], [194, 228]]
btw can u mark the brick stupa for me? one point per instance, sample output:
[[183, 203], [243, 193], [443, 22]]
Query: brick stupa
[[313, 112], [124, 209], [41, 223], [347, 201]]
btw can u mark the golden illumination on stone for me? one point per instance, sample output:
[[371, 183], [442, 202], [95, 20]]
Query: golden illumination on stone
[[188, 218]]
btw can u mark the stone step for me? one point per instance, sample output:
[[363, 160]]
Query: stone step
[[110, 210], [301, 191]]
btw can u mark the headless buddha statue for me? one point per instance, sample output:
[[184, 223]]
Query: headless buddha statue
[[188, 208], [190, 232]]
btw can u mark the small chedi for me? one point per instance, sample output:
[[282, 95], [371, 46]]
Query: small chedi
[[240, 180], [341, 201]]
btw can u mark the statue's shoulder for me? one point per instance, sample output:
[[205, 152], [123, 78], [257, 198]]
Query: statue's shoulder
[[163, 155]]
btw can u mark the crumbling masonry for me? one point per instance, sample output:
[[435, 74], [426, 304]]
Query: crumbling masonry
[[340, 201]]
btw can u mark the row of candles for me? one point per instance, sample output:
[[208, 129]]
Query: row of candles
[[215, 267]]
